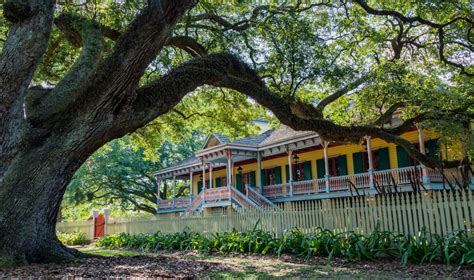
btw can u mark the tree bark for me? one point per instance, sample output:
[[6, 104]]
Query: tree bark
[[41, 145], [31, 194]]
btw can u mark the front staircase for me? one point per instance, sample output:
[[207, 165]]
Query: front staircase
[[229, 196]]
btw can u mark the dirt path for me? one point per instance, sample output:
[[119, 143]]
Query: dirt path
[[177, 265]]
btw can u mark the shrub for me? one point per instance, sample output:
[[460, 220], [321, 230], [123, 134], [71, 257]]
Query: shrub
[[457, 248], [74, 238]]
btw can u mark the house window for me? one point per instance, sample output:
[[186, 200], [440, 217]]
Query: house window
[[246, 179], [380, 159], [333, 170], [271, 176], [298, 172], [301, 171]]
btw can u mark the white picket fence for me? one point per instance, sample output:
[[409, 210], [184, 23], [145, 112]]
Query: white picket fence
[[437, 212]]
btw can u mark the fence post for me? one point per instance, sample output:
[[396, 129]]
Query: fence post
[[106, 220], [95, 213]]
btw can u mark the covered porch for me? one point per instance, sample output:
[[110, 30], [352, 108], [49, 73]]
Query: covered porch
[[385, 181]]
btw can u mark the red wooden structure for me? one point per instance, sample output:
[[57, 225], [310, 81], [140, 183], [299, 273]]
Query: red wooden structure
[[99, 226]]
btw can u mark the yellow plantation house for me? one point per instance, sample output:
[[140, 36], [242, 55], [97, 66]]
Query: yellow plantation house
[[282, 165]]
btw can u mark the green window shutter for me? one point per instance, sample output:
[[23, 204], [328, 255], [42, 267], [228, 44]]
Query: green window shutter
[[199, 187], [358, 159], [238, 181], [402, 157], [342, 165], [218, 182], [432, 148], [263, 180], [287, 172], [320, 169], [307, 170], [253, 181], [384, 161], [278, 175]]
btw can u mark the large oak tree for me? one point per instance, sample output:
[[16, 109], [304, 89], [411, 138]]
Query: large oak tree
[[312, 65]]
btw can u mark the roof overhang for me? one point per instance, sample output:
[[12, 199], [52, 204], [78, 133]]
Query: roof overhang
[[216, 155]]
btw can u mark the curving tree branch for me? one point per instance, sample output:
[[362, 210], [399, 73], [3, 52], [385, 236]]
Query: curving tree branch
[[225, 70], [342, 91], [81, 32], [417, 19], [387, 115]]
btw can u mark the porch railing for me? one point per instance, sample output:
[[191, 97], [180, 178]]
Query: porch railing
[[398, 176], [174, 203], [274, 191], [216, 194], [241, 199], [197, 201], [258, 198], [309, 186], [452, 176]]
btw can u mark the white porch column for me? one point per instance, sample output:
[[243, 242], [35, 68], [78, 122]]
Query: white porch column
[[326, 164], [229, 167], [203, 175], [174, 186], [290, 169], [259, 172], [371, 162], [158, 187], [210, 175], [233, 176], [465, 155], [421, 142], [190, 183]]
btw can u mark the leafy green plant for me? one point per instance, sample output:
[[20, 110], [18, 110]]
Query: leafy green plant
[[74, 238], [457, 248]]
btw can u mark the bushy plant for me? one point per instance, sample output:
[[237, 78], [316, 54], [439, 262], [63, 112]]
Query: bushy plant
[[457, 248], [73, 238]]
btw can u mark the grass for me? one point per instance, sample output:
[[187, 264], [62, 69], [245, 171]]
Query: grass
[[110, 253]]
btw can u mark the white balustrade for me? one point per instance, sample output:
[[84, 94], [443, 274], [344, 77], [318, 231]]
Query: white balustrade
[[274, 191], [258, 198], [399, 176], [182, 202], [451, 175], [217, 194], [309, 186]]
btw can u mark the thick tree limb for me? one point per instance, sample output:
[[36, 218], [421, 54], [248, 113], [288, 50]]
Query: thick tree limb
[[28, 34], [224, 70], [118, 75], [188, 44], [80, 32]]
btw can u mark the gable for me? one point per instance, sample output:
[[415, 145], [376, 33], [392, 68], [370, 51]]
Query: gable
[[211, 142]]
